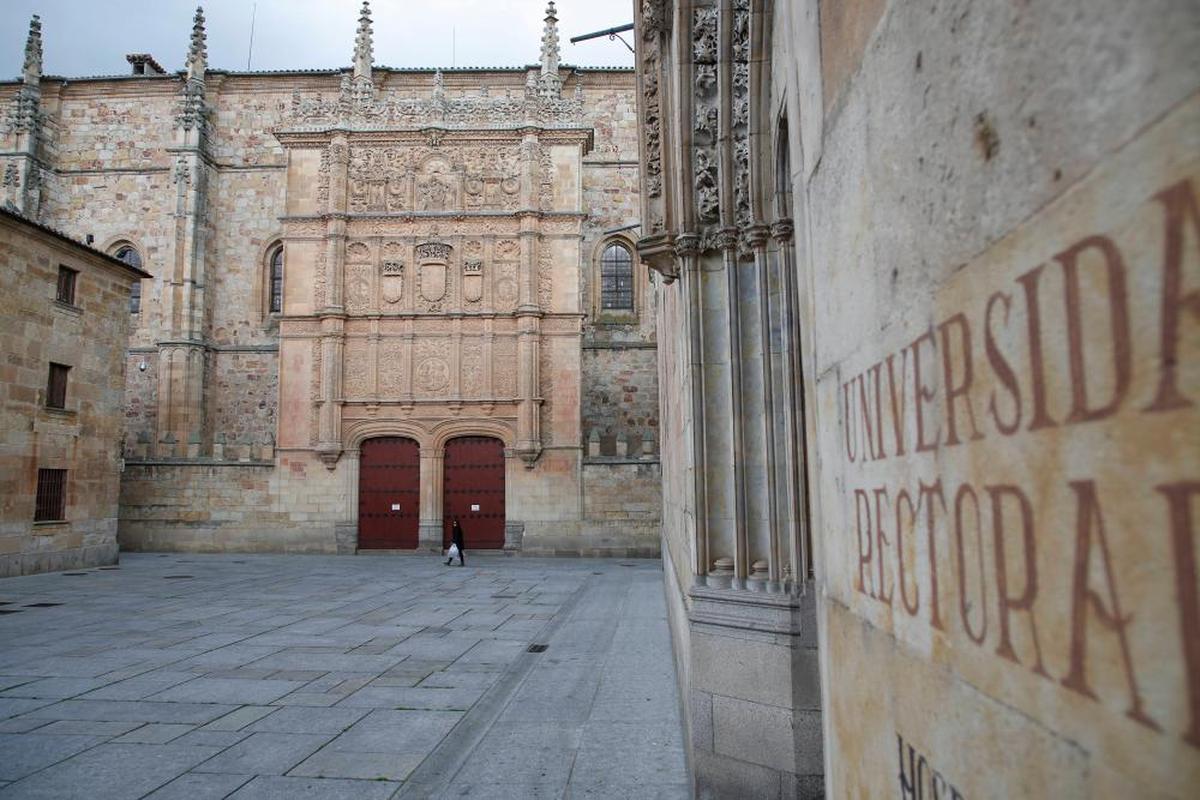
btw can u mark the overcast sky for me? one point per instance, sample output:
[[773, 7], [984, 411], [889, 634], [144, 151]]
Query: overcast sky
[[91, 37]]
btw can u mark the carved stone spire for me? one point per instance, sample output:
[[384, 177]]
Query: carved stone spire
[[551, 86], [363, 56], [197, 57], [26, 103], [191, 103], [32, 73]]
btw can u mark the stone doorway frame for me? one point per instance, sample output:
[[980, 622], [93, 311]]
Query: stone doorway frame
[[432, 440]]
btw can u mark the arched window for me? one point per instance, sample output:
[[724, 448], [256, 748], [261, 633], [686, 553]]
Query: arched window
[[616, 279], [275, 281], [131, 257]]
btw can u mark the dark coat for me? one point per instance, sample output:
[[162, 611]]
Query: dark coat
[[456, 535]]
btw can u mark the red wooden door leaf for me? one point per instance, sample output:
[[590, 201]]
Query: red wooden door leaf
[[474, 491], [389, 493]]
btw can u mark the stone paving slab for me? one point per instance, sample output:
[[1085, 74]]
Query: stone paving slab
[[314, 677]]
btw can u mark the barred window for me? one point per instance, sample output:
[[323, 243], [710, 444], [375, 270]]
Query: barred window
[[51, 496], [131, 257], [276, 281], [66, 285], [56, 386], [616, 279]]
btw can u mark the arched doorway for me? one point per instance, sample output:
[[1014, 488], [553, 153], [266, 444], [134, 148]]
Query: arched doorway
[[389, 494], [473, 491]]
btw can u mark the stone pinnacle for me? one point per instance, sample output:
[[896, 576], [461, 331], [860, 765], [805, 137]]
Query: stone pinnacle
[[363, 56], [32, 70]]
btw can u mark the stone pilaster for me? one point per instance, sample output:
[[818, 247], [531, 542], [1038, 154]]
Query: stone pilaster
[[183, 348], [430, 531]]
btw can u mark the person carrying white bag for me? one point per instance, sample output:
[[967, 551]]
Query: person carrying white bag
[[456, 545]]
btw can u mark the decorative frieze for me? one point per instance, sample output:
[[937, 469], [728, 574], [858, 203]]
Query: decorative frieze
[[366, 109]]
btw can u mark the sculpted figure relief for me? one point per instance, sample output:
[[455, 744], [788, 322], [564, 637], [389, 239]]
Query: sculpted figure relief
[[435, 192]]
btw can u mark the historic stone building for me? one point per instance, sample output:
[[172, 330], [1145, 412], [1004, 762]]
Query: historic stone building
[[64, 326], [930, 455], [381, 298]]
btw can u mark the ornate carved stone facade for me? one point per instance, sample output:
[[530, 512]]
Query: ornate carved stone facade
[[438, 232]]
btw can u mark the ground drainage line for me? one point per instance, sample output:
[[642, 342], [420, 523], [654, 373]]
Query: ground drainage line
[[434, 774]]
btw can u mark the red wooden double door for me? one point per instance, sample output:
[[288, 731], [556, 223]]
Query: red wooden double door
[[389, 492]]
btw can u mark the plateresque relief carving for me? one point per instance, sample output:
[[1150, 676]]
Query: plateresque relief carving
[[432, 371], [472, 281], [358, 288], [433, 275], [435, 186], [705, 115], [392, 281]]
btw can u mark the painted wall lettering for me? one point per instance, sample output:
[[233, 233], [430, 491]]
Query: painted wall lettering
[[1025, 369]]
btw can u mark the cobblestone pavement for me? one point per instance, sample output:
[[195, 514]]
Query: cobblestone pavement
[[297, 677]]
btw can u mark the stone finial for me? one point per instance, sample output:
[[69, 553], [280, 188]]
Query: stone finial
[[32, 71], [363, 52], [550, 83], [197, 57], [439, 86]]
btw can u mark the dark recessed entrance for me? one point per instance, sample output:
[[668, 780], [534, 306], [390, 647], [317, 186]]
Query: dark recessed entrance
[[473, 491], [389, 494]]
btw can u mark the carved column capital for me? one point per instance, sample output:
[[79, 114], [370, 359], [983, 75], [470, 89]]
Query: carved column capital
[[756, 235], [687, 244], [782, 230], [726, 239]]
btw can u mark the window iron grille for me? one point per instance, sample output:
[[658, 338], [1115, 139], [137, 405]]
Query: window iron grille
[[51, 495]]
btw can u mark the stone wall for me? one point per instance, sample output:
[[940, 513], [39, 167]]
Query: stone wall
[[83, 438], [215, 507], [984, 218], [1032, 479], [620, 399]]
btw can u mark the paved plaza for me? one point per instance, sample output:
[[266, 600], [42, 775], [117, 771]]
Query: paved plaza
[[192, 677]]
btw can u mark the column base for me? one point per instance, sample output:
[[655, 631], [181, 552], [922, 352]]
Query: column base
[[429, 537], [728, 713], [345, 535]]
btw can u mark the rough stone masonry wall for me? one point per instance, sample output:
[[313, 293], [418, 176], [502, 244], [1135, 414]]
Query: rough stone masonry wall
[[620, 402], [84, 437], [1000, 208]]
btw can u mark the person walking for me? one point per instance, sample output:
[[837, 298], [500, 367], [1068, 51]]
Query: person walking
[[456, 536]]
